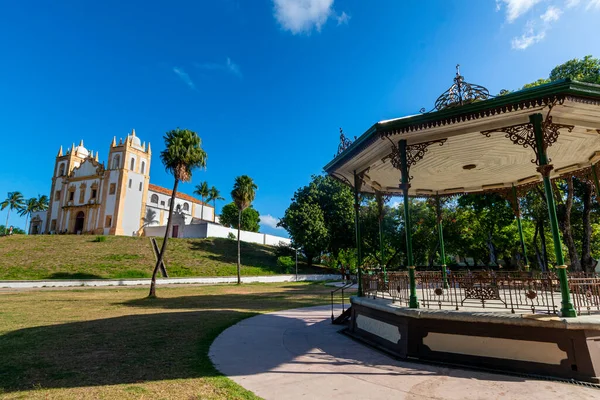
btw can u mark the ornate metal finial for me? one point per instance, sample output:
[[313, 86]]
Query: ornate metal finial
[[344, 143], [461, 93]]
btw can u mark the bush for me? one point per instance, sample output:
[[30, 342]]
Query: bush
[[287, 264], [231, 236], [100, 239], [282, 250]]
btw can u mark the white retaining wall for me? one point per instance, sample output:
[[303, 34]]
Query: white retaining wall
[[209, 229]]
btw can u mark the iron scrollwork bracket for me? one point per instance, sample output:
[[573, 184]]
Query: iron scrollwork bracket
[[414, 153], [523, 135], [344, 143]]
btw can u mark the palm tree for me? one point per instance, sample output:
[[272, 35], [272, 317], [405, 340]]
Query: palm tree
[[31, 206], [182, 154], [203, 191], [14, 201], [214, 195], [243, 193], [42, 202]]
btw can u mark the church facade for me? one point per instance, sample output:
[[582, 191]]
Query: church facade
[[89, 197]]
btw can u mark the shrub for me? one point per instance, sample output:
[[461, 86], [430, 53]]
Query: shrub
[[100, 239], [287, 264], [282, 250], [231, 236]]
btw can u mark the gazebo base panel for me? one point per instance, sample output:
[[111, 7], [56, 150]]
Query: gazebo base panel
[[543, 345]]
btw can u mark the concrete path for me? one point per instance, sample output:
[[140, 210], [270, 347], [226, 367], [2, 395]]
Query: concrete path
[[164, 281], [299, 354]]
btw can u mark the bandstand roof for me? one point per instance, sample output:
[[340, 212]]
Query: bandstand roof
[[469, 160]]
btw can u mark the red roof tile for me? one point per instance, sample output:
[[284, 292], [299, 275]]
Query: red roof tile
[[180, 195]]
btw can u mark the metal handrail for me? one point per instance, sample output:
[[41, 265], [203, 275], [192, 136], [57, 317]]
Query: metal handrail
[[342, 288]]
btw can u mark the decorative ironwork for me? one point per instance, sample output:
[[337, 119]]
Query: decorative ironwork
[[344, 143], [461, 93], [523, 134], [414, 153]]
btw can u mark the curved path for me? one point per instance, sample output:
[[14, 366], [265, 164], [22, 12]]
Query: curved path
[[299, 354]]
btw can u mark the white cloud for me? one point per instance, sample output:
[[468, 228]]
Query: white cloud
[[343, 18], [395, 204], [516, 8], [593, 4], [528, 38], [552, 14], [184, 77], [228, 66], [302, 16], [270, 221], [572, 3]]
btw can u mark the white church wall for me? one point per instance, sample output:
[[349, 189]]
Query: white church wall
[[87, 168], [111, 199], [132, 203]]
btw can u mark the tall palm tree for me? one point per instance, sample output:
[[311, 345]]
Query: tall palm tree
[[243, 193], [214, 195], [31, 206], [182, 154], [42, 202], [203, 191], [14, 202]]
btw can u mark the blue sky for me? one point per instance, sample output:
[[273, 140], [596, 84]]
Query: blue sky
[[265, 83]]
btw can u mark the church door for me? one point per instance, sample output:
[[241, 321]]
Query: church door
[[79, 220], [175, 231]]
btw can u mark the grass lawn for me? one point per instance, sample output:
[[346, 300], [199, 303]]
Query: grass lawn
[[72, 256], [116, 344]]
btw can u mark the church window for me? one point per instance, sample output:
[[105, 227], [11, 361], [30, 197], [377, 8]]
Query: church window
[[186, 207], [116, 162], [154, 199], [61, 170], [108, 221], [57, 195], [113, 188], [162, 203], [94, 193], [140, 189], [130, 184], [81, 195], [143, 170], [71, 195], [132, 166]]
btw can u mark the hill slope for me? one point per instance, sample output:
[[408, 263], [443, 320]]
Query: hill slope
[[71, 256]]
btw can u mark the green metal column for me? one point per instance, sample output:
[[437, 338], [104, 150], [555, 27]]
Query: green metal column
[[379, 198], [567, 309], [413, 303], [438, 208], [518, 214], [357, 185]]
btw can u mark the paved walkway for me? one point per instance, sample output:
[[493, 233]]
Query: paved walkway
[[164, 281], [299, 354]]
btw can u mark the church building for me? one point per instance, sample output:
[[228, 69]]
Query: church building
[[89, 197]]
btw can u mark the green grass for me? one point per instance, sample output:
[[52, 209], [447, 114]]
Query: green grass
[[80, 257], [117, 344]]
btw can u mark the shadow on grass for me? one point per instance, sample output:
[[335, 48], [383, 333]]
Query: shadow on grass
[[126, 349], [73, 275]]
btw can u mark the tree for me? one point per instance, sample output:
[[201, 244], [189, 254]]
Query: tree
[[33, 205], [203, 191], [584, 70], [305, 223], [182, 154], [336, 202], [250, 218], [214, 195], [14, 202], [243, 193]]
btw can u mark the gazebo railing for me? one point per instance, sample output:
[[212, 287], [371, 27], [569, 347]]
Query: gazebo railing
[[509, 291]]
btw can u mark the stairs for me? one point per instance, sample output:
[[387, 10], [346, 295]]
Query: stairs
[[343, 317]]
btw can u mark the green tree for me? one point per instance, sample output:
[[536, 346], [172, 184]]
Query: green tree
[[214, 195], [585, 70], [182, 154], [243, 193], [305, 222], [250, 218], [203, 191], [14, 202]]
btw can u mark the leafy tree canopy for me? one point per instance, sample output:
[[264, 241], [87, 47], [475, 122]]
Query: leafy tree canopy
[[250, 218]]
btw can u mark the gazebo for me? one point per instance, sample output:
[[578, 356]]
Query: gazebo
[[472, 142]]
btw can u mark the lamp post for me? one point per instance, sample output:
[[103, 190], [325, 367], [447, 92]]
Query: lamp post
[[296, 264]]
